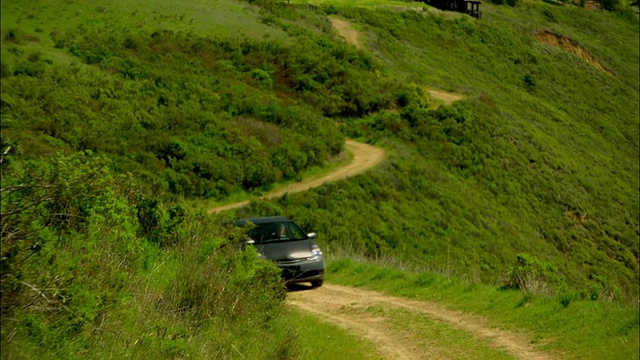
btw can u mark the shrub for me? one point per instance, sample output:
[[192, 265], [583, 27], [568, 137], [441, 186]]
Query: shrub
[[75, 259], [531, 275], [5, 70], [529, 81], [610, 5]]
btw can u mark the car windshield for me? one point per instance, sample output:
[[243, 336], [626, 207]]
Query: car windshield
[[278, 231]]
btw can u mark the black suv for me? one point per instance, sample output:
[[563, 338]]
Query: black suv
[[280, 240]]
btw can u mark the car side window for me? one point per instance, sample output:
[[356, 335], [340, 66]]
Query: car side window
[[260, 233]]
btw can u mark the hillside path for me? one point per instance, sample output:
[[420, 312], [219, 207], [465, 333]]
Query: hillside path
[[351, 35], [347, 31], [351, 308], [365, 157]]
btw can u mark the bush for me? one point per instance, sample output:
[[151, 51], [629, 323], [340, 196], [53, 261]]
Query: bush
[[5, 70], [88, 266], [611, 5], [529, 275]]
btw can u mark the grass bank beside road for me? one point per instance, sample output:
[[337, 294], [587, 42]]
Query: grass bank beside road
[[571, 328]]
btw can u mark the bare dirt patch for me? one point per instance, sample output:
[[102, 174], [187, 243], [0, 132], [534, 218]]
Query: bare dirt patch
[[365, 157], [347, 307], [570, 46], [446, 97], [347, 31]]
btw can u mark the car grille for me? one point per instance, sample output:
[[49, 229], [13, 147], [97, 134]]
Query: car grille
[[289, 262], [293, 274]]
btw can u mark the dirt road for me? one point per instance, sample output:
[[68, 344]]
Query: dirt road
[[374, 316], [347, 31], [364, 158]]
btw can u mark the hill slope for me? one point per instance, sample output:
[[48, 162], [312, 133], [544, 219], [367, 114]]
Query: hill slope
[[116, 117], [536, 171], [365, 157]]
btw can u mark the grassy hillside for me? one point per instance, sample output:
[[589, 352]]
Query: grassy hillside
[[117, 116], [537, 168]]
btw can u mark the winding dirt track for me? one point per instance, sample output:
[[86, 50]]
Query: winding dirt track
[[347, 307], [351, 35], [364, 158]]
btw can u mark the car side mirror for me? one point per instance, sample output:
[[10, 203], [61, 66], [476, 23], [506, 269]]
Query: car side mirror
[[312, 235]]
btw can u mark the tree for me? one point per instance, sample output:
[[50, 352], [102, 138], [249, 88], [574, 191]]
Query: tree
[[610, 5]]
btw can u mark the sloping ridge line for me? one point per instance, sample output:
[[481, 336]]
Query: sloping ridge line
[[365, 157]]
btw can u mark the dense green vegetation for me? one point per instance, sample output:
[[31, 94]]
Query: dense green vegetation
[[192, 117], [115, 117], [92, 267]]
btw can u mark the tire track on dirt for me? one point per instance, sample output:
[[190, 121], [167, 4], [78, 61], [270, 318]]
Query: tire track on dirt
[[346, 307], [365, 157]]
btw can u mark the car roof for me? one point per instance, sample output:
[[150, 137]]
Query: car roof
[[262, 220]]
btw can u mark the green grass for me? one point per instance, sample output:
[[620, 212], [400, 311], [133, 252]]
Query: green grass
[[320, 340], [442, 340], [202, 17], [361, 3], [577, 329], [205, 18]]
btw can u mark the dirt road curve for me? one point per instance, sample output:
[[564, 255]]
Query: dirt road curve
[[350, 308], [364, 158]]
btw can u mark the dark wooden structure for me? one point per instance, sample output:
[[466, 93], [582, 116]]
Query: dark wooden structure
[[471, 7]]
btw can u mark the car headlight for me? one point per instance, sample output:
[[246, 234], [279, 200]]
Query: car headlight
[[316, 253]]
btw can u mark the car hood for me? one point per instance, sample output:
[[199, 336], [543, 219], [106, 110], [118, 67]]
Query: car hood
[[286, 250]]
